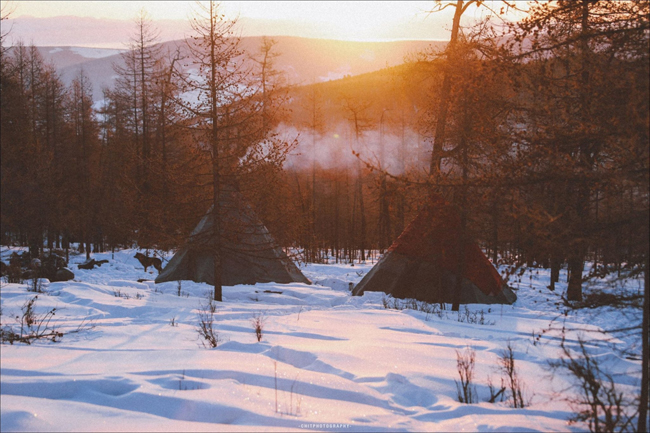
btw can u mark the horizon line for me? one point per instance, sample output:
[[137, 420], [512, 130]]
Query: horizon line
[[379, 40]]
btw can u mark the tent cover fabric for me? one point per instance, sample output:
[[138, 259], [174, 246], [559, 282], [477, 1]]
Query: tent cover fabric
[[424, 260], [249, 254]]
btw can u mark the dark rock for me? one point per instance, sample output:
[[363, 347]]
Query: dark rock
[[63, 274], [21, 260], [90, 264], [50, 265], [55, 261], [14, 272]]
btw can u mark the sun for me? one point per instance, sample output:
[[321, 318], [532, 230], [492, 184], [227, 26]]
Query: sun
[[338, 20]]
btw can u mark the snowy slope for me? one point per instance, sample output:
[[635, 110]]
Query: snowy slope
[[327, 361], [95, 53], [62, 57]]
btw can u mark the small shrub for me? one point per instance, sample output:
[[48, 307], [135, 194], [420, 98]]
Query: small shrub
[[292, 406], [275, 375], [494, 394], [295, 411], [432, 310], [465, 365], [258, 322], [537, 336], [182, 385], [209, 304], [473, 317], [36, 285], [35, 326], [119, 294], [205, 328], [597, 402], [511, 378], [29, 316], [392, 303]]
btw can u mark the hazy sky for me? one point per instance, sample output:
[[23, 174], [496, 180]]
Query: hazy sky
[[328, 11], [366, 20]]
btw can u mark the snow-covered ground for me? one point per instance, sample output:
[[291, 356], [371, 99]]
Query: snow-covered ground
[[327, 360]]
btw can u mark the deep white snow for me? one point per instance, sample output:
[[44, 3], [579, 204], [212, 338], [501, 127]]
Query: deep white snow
[[331, 361]]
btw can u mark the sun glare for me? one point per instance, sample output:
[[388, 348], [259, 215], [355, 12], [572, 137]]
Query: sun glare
[[117, 10], [345, 20], [338, 20]]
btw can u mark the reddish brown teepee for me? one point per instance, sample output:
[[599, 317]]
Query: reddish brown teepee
[[422, 263]]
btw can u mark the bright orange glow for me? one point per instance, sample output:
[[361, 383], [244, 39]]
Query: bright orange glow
[[77, 23], [338, 19], [344, 20]]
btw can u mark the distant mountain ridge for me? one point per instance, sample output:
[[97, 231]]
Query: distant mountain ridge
[[63, 57], [303, 60]]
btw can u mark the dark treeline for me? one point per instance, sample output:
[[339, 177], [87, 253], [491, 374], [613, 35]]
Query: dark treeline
[[74, 172], [136, 167], [541, 143]]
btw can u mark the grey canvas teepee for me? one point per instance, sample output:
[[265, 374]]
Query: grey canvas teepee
[[249, 254]]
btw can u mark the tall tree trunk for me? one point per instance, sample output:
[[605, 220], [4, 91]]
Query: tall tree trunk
[[556, 263], [352, 238], [579, 250], [495, 227], [462, 232], [216, 173], [136, 131], [145, 122], [460, 268], [384, 215], [462, 235], [362, 215], [642, 425], [576, 265], [443, 106], [216, 215], [384, 208], [312, 225], [337, 193]]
